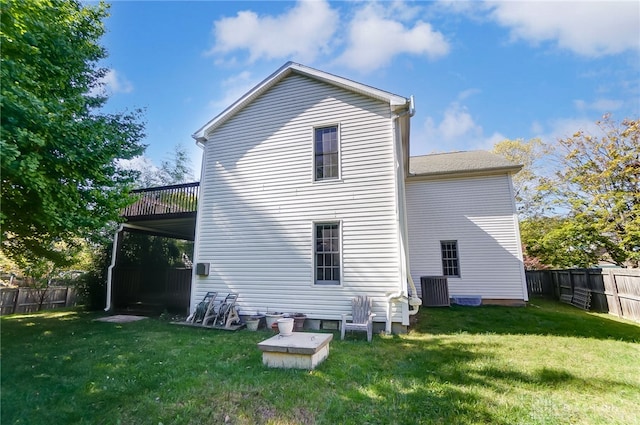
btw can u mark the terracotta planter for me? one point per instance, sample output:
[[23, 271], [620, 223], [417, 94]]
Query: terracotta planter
[[298, 321]]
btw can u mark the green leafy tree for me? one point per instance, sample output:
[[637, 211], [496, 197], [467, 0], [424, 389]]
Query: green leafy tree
[[60, 178], [599, 184], [560, 242]]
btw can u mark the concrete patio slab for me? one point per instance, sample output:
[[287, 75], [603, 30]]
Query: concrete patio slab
[[120, 318]]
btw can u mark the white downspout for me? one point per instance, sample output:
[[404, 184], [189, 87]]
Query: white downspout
[[414, 302], [400, 296], [114, 252]]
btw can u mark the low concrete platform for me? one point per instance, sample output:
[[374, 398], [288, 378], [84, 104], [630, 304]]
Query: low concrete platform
[[300, 350]]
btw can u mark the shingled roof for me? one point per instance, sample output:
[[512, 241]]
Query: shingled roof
[[460, 163]]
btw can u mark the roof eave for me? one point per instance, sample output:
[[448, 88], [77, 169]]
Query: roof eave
[[395, 102], [465, 173]]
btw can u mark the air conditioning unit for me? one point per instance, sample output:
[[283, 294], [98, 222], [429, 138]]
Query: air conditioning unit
[[435, 291]]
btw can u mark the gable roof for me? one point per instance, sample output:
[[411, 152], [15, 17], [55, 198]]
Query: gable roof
[[454, 164], [395, 102]]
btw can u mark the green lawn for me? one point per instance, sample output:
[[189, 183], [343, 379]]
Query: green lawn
[[547, 363]]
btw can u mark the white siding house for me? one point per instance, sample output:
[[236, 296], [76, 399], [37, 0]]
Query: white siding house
[[465, 201], [302, 205], [288, 228]]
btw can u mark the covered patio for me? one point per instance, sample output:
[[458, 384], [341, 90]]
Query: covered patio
[[166, 212]]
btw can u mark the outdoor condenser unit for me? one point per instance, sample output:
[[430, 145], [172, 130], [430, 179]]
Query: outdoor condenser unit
[[435, 291]]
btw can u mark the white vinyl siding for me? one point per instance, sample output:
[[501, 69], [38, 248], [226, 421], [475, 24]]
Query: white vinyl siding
[[258, 202], [479, 214]]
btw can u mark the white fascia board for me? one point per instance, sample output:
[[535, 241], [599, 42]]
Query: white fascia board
[[395, 102]]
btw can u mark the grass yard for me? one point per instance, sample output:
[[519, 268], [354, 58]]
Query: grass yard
[[547, 363]]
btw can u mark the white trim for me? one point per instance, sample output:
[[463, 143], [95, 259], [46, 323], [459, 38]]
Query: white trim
[[193, 302], [395, 102], [314, 223], [516, 229], [114, 254], [313, 155], [457, 246]]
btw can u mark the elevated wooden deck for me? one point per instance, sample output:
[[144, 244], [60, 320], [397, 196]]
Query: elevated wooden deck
[[165, 210]]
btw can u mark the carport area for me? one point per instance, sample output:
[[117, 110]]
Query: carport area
[[164, 218]]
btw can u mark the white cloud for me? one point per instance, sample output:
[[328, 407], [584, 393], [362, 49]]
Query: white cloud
[[599, 105], [116, 83], [587, 28], [233, 88], [562, 128], [457, 122], [456, 131], [112, 82], [301, 33], [374, 38]]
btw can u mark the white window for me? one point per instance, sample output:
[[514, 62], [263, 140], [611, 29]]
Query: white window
[[326, 153], [450, 260], [327, 253]]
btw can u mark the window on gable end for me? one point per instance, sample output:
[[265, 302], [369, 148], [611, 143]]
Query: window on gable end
[[326, 153]]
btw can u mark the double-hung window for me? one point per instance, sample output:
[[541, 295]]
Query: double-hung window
[[327, 253], [326, 153], [450, 259]]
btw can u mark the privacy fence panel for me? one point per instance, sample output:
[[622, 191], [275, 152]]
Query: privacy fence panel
[[29, 300], [616, 291]]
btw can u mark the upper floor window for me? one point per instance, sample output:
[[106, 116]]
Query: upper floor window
[[450, 260], [326, 153]]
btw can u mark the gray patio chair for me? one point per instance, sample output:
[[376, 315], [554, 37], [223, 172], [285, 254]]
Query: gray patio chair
[[361, 318]]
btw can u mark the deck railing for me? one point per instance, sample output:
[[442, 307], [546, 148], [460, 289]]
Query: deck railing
[[174, 199]]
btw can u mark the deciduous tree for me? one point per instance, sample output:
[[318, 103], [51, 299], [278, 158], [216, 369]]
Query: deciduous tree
[[599, 184], [526, 183], [60, 178]]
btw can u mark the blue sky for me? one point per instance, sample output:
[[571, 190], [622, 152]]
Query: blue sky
[[480, 71]]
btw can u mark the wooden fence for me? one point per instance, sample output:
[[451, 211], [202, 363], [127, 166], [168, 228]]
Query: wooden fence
[[29, 300], [616, 291]]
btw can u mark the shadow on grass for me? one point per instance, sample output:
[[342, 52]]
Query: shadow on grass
[[73, 370], [540, 317]]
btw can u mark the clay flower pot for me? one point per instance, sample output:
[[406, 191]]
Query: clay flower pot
[[298, 321]]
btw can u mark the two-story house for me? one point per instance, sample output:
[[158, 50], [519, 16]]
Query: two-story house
[[308, 198]]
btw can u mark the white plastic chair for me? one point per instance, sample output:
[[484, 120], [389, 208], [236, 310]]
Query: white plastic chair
[[361, 318]]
